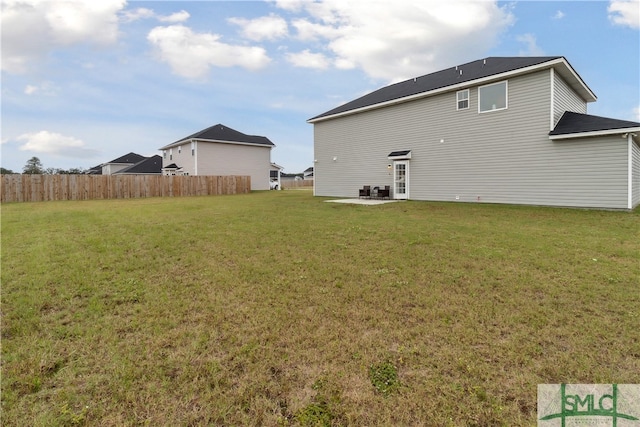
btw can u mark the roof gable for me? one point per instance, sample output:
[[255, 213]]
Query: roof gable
[[150, 165], [222, 133], [128, 158], [576, 123], [459, 76]]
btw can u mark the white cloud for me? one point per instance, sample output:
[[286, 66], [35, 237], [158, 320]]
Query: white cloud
[[30, 90], [558, 15], [290, 5], [307, 59], [31, 28], [181, 16], [625, 12], [636, 114], [137, 14], [270, 27], [532, 48], [401, 39], [45, 88], [192, 54], [144, 13], [56, 144]]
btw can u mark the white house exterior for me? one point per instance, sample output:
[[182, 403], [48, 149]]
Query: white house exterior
[[220, 150], [497, 130], [121, 163]]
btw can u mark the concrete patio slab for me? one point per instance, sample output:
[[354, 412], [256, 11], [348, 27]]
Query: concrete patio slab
[[368, 202]]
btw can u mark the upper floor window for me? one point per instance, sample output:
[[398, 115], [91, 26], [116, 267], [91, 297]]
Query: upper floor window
[[179, 149], [492, 97], [170, 153], [462, 97], [193, 148]]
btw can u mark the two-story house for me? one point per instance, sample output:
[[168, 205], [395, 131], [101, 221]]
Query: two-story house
[[220, 150], [497, 130]]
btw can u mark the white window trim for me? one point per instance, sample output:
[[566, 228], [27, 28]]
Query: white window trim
[[464, 99], [506, 96]]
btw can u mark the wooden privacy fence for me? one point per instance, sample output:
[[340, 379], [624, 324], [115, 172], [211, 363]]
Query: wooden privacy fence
[[290, 183], [39, 188]]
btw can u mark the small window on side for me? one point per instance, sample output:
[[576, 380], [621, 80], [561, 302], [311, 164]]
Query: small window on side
[[462, 98], [179, 149]]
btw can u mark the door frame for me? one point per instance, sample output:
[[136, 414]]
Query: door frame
[[405, 195]]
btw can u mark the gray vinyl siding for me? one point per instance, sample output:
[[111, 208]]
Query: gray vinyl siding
[[504, 156], [635, 175], [565, 99], [235, 159]]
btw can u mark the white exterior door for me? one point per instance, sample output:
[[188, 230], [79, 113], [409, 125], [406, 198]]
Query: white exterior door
[[401, 179]]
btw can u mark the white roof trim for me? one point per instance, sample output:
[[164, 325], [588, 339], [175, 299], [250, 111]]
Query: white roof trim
[[187, 141], [456, 87], [595, 133]]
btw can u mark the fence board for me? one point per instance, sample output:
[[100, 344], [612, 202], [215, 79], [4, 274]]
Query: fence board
[[35, 188]]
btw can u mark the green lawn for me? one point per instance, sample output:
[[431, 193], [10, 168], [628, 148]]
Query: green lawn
[[277, 309]]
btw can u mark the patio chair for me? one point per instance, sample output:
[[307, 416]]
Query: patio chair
[[385, 193], [365, 191], [375, 193]]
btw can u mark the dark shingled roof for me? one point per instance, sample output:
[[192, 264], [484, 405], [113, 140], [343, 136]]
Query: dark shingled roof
[[221, 132], [150, 165], [399, 153], [129, 158], [172, 166], [441, 79], [571, 123]]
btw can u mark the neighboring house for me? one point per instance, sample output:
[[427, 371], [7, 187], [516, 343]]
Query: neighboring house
[[308, 173], [96, 170], [274, 176], [120, 163], [498, 130], [149, 166], [220, 150]]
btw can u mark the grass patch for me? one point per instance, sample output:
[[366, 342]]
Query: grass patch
[[270, 309], [384, 377]]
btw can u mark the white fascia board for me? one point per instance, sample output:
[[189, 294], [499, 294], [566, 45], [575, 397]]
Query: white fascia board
[[186, 141], [459, 86], [595, 133]]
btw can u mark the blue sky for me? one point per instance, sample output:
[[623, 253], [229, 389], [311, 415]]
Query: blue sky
[[84, 82]]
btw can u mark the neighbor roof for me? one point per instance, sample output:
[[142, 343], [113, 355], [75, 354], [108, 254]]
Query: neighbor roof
[[222, 133], [578, 124], [128, 158], [150, 165], [457, 77]]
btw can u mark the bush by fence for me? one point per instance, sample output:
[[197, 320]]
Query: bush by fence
[[38, 188]]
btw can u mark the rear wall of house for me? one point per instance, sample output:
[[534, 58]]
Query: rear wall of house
[[235, 159], [502, 156], [635, 178]]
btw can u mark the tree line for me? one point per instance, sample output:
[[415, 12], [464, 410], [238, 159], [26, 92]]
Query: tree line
[[34, 167]]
